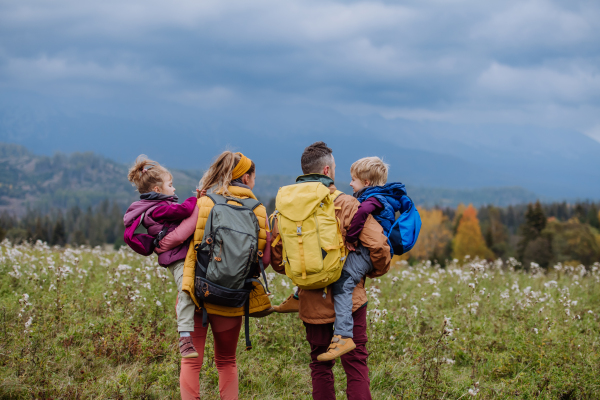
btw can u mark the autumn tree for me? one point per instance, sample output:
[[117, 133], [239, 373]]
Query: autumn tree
[[494, 232], [469, 240], [434, 236]]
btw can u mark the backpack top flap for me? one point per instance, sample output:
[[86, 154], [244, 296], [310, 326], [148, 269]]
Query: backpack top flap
[[297, 202]]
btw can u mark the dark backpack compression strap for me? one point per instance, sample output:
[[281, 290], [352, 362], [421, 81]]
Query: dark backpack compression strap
[[247, 324]]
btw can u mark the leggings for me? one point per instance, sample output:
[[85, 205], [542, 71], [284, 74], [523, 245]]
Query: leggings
[[226, 331]]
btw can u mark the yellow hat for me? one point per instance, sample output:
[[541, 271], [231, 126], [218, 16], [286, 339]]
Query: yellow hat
[[242, 167]]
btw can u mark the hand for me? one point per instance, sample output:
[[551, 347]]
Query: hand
[[350, 246], [200, 193]]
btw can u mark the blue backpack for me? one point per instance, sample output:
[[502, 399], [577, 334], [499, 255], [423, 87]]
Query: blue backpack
[[402, 233]]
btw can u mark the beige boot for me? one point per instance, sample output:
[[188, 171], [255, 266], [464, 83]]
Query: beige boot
[[289, 305], [337, 348]]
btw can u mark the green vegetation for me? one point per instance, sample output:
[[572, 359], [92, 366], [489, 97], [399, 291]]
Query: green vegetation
[[87, 323]]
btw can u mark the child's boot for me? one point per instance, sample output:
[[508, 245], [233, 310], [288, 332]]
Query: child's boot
[[186, 347], [339, 346], [289, 305]]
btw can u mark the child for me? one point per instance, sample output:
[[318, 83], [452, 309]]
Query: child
[[158, 211], [369, 177]]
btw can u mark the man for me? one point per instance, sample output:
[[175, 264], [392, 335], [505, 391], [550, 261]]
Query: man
[[317, 312]]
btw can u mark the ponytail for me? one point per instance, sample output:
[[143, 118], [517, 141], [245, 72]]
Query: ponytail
[[146, 174]]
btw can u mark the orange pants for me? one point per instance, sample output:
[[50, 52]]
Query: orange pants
[[226, 332]]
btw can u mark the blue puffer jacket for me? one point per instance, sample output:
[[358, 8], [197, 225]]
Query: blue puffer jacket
[[389, 196], [403, 232]]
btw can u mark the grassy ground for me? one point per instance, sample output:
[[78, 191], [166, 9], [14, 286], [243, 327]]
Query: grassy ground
[[89, 323]]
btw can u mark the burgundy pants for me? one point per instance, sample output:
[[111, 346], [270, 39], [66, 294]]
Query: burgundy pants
[[354, 362]]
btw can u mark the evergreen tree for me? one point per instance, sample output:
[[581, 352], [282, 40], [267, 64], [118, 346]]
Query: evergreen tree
[[59, 235], [468, 239], [533, 247], [592, 217]]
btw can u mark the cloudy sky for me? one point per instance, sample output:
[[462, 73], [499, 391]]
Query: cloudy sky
[[533, 65], [528, 61]]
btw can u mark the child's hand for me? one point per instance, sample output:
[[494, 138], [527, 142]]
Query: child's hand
[[350, 246], [200, 193]]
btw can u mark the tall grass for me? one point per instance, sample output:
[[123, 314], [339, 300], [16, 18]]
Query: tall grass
[[88, 323]]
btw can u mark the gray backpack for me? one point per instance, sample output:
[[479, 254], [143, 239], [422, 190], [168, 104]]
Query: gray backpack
[[228, 256]]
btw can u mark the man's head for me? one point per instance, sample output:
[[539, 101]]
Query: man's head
[[318, 159]]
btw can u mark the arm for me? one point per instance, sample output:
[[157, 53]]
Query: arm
[[277, 250], [372, 238], [174, 211], [358, 221], [179, 234]]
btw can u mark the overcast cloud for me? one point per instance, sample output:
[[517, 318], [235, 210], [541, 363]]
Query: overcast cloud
[[532, 62]]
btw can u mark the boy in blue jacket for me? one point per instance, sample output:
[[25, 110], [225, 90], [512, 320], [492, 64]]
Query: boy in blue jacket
[[381, 200]]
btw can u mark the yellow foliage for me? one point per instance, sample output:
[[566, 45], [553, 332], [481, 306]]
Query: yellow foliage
[[434, 235], [468, 239]]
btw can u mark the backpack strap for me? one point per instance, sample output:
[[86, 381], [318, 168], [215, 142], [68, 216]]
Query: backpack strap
[[248, 203], [247, 324]]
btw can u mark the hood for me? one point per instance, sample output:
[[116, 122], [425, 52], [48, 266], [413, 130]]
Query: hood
[[148, 201], [158, 196]]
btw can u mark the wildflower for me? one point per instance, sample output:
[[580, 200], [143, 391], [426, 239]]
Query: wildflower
[[535, 330], [158, 303], [472, 285], [435, 294], [505, 294]]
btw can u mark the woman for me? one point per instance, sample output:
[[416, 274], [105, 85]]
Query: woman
[[232, 175]]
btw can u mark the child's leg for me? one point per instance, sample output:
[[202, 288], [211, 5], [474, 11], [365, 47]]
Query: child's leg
[[342, 291], [357, 265], [185, 306]]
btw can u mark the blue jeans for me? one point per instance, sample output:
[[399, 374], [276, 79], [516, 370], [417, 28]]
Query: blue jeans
[[357, 265]]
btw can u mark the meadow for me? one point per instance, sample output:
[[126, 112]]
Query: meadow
[[92, 323]]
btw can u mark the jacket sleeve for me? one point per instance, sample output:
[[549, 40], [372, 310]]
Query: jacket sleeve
[[277, 250], [373, 238], [174, 211], [358, 221], [179, 234]]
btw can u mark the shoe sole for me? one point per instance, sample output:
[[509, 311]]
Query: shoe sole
[[262, 314], [286, 311], [192, 355], [337, 355]]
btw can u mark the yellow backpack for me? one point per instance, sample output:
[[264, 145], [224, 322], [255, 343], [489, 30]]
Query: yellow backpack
[[313, 246]]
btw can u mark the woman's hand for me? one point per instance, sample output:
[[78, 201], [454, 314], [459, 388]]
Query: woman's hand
[[200, 193], [350, 246]]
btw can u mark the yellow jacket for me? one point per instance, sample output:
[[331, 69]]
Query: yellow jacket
[[259, 300]]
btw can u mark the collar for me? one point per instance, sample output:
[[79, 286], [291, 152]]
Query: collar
[[238, 183], [240, 192], [360, 192], [158, 196], [324, 179]]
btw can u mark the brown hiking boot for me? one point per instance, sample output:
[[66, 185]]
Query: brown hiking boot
[[263, 313], [186, 347], [289, 305], [337, 348]]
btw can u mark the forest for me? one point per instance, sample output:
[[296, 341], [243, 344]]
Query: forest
[[535, 232]]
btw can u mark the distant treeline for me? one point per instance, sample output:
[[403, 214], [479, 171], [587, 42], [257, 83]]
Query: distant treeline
[[540, 233], [95, 226]]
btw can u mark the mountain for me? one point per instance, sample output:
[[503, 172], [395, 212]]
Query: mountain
[[84, 179], [556, 164]]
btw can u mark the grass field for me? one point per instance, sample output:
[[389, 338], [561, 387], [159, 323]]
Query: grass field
[[95, 324]]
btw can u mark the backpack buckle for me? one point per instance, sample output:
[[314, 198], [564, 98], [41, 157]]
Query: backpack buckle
[[299, 230]]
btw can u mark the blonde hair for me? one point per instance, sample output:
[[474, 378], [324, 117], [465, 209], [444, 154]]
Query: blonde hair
[[146, 174], [371, 169], [219, 175]]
